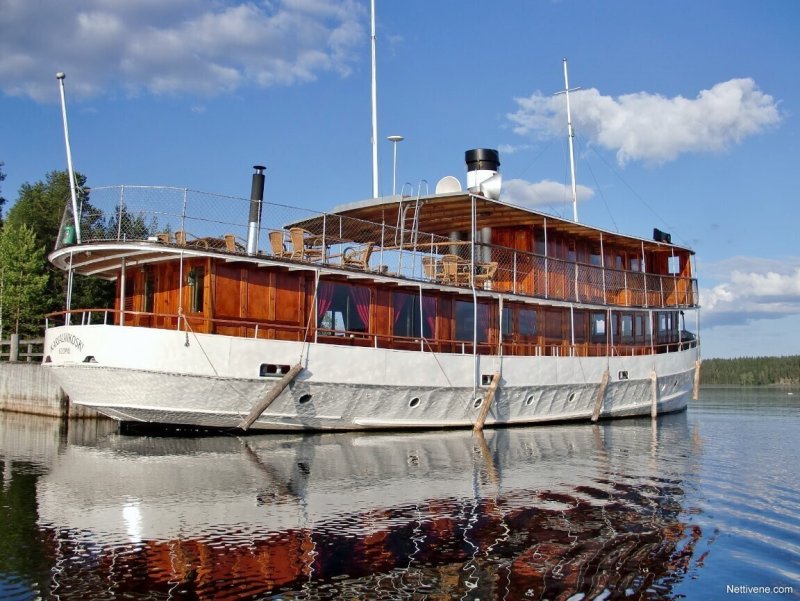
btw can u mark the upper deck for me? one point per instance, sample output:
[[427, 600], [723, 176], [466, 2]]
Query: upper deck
[[425, 239]]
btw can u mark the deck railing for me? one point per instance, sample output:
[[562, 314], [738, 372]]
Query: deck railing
[[248, 328], [182, 217]]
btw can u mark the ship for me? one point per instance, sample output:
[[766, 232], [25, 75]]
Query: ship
[[450, 309]]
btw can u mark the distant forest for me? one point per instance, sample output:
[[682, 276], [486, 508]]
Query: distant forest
[[751, 371]]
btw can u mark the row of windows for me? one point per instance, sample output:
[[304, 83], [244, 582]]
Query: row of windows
[[346, 308], [590, 253]]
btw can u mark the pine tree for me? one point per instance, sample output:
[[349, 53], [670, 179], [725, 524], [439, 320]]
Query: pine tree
[[23, 280]]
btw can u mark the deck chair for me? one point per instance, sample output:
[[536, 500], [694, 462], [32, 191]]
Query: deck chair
[[230, 243], [300, 250], [358, 257], [432, 268], [276, 242], [450, 268], [486, 273]]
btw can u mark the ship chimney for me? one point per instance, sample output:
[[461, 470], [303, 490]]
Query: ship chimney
[[256, 199], [483, 175]]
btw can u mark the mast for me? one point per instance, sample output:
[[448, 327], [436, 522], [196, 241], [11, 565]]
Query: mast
[[60, 76], [570, 135], [374, 108]]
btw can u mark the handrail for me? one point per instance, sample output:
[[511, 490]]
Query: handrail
[[154, 215], [535, 346]]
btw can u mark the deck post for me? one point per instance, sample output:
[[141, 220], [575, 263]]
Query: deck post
[[601, 396], [487, 403], [273, 394], [696, 388], [13, 349], [654, 395]]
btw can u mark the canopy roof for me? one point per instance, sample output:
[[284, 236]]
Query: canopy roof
[[441, 214]]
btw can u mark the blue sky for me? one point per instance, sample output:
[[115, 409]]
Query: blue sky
[[686, 121]]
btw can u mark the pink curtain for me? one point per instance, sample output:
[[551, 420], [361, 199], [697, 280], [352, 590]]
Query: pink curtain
[[360, 295], [400, 301], [324, 300], [429, 313]]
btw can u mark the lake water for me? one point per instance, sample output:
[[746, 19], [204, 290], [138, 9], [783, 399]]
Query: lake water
[[700, 505]]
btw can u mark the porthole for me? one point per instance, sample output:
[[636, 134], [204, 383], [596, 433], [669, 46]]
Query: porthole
[[304, 399], [530, 399], [272, 369], [413, 402], [571, 397], [478, 402], [623, 375]]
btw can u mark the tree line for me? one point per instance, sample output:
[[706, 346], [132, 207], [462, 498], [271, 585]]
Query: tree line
[[30, 287], [751, 371]]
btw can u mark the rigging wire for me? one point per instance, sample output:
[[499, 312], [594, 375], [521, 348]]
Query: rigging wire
[[600, 191], [638, 196]]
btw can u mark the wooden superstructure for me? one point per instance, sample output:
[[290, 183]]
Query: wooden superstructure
[[407, 273]]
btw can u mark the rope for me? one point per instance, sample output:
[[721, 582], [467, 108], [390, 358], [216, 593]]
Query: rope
[[205, 354]]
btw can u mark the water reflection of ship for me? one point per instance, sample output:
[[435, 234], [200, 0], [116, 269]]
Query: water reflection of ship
[[546, 512]]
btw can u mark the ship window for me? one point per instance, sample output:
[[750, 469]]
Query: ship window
[[598, 326], [149, 289], [594, 256], [626, 321], [343, 307], [304, 399], [413, 402], [478, 402], [674, 265], [623, 375], [465, 319], [130, 290], [639, 331], [538, 236], [508, 326], [636, 264], [530, 399], [407, 315], [196, 279], [527, 322]]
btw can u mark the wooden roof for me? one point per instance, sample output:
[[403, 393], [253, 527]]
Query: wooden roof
[[444, 213]]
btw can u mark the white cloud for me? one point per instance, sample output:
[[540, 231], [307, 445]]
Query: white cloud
[[179, 46], [545, 192], [513, 148], [764, 289], [650, 127]]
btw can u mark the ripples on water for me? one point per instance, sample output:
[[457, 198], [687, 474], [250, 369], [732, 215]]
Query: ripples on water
[[703, 500]]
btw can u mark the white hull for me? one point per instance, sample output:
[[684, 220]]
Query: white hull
[[171, 377]]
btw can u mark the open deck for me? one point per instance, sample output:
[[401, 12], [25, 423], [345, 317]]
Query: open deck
[[171, 221]]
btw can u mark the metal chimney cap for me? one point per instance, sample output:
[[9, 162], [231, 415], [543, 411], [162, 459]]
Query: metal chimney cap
[[259, 168], [60, 75]]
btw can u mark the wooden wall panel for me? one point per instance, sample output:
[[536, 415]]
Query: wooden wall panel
[[259, 305], [226, 301], [289, 292]]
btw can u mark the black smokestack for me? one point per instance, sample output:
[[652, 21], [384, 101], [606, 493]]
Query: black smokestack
[[256, 200]]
